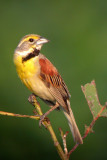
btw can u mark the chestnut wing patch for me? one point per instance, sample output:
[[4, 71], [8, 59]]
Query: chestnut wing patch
[[54, 82]]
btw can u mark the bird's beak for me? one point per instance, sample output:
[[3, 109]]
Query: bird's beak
[[42, 41]]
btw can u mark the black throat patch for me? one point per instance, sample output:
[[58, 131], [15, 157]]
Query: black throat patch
[[31, 55]]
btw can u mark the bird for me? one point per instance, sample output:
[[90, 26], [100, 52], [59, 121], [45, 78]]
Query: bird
[[42, 78]]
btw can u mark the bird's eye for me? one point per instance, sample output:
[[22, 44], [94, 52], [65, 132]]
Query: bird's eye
[[31, 40]]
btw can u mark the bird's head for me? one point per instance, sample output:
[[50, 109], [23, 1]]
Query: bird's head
[[30, 46]]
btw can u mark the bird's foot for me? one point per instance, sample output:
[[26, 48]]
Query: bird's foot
[[42, 119]]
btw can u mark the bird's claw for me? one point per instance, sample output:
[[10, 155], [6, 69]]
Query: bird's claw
[[41, 120]]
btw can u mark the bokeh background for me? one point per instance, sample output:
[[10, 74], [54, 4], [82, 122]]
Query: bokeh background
[[77, 31]]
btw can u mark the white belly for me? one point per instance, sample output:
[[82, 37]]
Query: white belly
[[38, 88]]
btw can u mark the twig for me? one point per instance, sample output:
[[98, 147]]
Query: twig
[[94, 106], [87, 131], [64, 140], [19, 115], [32, 99], [46, 123]]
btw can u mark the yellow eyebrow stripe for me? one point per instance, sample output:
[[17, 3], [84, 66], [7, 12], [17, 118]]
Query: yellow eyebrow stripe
[[27, 37]]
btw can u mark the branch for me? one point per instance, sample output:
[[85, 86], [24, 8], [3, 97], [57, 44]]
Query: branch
[[64, 140], [89, 129], [19, 115], [96, 109], [47, 124]]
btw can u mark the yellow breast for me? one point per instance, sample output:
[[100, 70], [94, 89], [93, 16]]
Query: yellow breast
[[26, 70]]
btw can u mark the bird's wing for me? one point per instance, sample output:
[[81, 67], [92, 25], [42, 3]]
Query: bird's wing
[[54, 82]]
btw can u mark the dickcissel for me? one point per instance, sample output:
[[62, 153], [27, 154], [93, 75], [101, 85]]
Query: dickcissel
[[43, 79]]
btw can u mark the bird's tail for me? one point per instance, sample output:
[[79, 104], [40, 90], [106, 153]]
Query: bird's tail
[[73, 126]]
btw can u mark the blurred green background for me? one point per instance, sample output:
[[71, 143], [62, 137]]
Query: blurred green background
[[77, 31]]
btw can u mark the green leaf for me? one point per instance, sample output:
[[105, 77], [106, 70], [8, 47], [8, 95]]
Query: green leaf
[[91, 96]]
